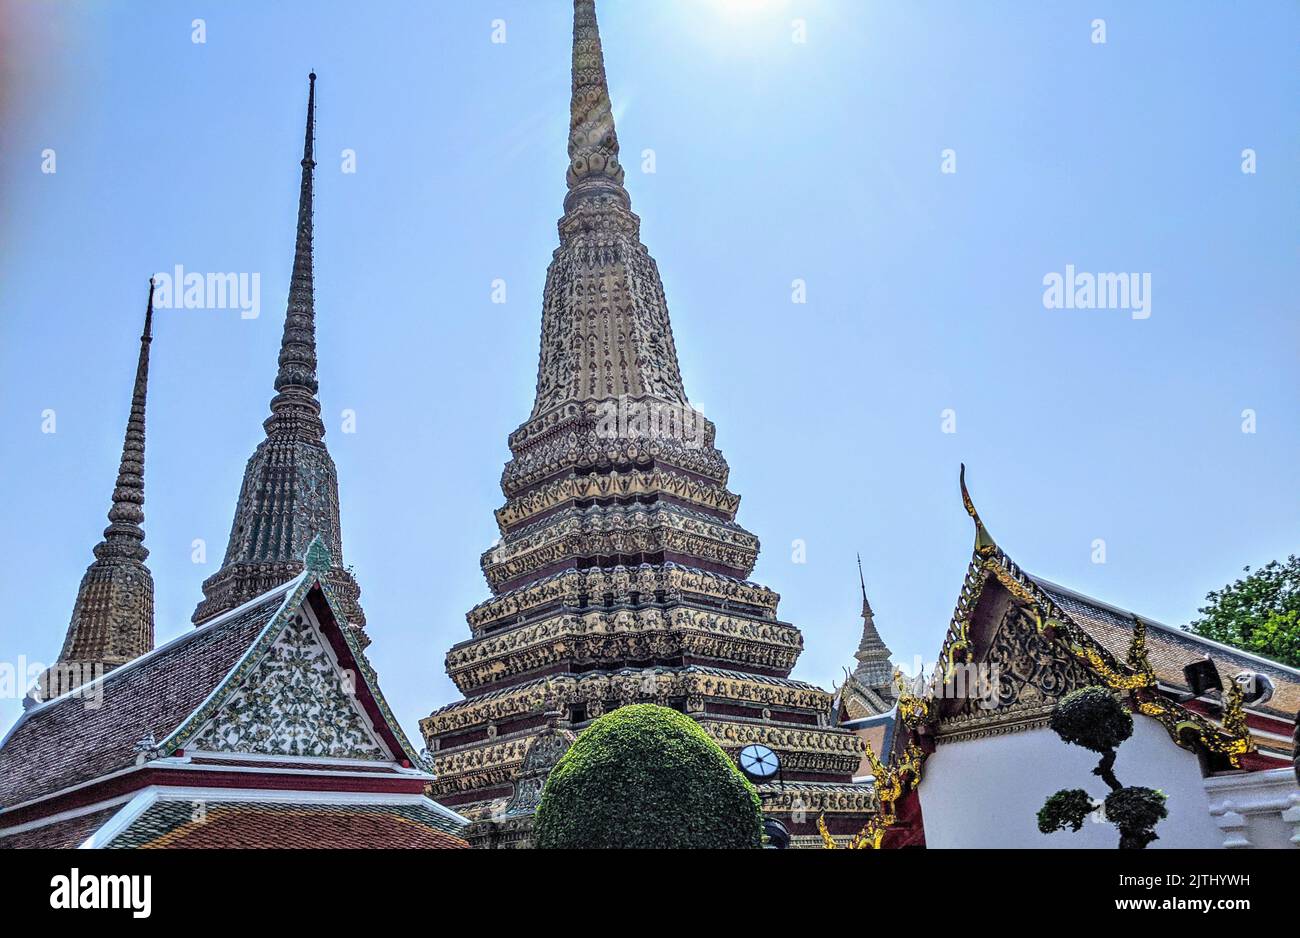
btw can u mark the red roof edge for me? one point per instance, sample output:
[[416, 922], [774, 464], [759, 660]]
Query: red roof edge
[[393, 736]]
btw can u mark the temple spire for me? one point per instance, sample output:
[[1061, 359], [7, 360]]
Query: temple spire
[[290, 494], [874, 668], [295, 408], [112, 620], [594, 167], [866, 606]]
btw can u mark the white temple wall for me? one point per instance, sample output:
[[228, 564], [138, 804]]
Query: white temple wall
[[1256, 809], [987, 792]]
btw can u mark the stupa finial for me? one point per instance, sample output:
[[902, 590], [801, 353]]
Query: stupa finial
[[594, 167], [295, 409]]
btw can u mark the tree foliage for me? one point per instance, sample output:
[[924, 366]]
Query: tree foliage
[[650, 777], [1093, 717], [1259, 613]]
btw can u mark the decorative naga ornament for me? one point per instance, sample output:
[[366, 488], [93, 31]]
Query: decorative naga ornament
[[892, 782], [621, 574], [112, 621], [290, 493]]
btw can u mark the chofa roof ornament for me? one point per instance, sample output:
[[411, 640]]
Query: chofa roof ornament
[[984, 542]]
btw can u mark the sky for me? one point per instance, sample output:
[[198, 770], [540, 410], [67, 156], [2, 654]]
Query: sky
[[797, 142]]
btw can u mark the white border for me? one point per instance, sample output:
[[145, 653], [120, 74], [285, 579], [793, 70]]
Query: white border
[[150, 796]]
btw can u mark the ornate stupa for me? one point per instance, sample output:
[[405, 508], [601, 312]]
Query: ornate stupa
[[621, 574], [112, 619], [291, 489]]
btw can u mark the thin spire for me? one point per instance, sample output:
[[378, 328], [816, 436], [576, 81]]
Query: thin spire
[[112, 619], [294, 408], [594, 167], [874, 668], [290, 493], [124, 537], [866, 606]]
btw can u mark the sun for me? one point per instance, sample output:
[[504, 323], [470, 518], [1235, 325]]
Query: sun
[[737, 7]]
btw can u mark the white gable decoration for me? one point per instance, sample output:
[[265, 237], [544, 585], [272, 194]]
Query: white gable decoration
[[296, 701]]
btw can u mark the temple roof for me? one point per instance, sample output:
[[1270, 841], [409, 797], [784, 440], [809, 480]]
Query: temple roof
[[70, 740], [294, 825], [60, 835], [1125, 652], [159, 703], [1170, 649]]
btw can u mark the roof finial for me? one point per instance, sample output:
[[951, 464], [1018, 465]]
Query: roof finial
[[124, 537], [866, 606], [594, 167], [983, 540], [295, 409]]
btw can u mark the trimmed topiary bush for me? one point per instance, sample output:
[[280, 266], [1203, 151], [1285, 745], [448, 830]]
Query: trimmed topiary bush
[[1067, 808], [1136, 811], [647, 777], [1094, 718]]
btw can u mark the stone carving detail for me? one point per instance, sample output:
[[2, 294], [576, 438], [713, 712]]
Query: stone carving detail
[[663, 481], [1032, 675], [619, 530], [295, 702], [651, 685], [622, 636], [574, 589]]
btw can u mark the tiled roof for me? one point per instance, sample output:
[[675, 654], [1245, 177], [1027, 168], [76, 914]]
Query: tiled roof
[[61, 834], [1169, 650], [70, 739], [277, 825]]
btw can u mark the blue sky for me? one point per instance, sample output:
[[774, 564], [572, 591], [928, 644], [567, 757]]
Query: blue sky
[[776, 161]]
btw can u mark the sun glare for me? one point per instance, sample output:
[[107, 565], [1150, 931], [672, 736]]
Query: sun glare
[[739, 7]]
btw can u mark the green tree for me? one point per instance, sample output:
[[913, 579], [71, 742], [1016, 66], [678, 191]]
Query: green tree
[[650, 777], [1259, 613], [1094, 718]]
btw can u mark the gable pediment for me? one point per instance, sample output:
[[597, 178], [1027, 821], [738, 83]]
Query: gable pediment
[[1017, 674], [294, 701]]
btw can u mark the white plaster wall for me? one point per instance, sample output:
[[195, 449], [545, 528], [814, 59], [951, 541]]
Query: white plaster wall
[[1256, 809], [987, 792]]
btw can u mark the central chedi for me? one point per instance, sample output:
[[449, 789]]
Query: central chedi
[[621, 575]]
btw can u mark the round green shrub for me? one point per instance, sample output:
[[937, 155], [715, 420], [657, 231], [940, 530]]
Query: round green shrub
[[1092, 717], [1067, 808], [647, 777], [1136, 810]]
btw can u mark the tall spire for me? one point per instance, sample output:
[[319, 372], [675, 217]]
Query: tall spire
[[874, 668], [594, 168], [295, 408], [617, 522], [606, 335], [112, 620], [290, 493]]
